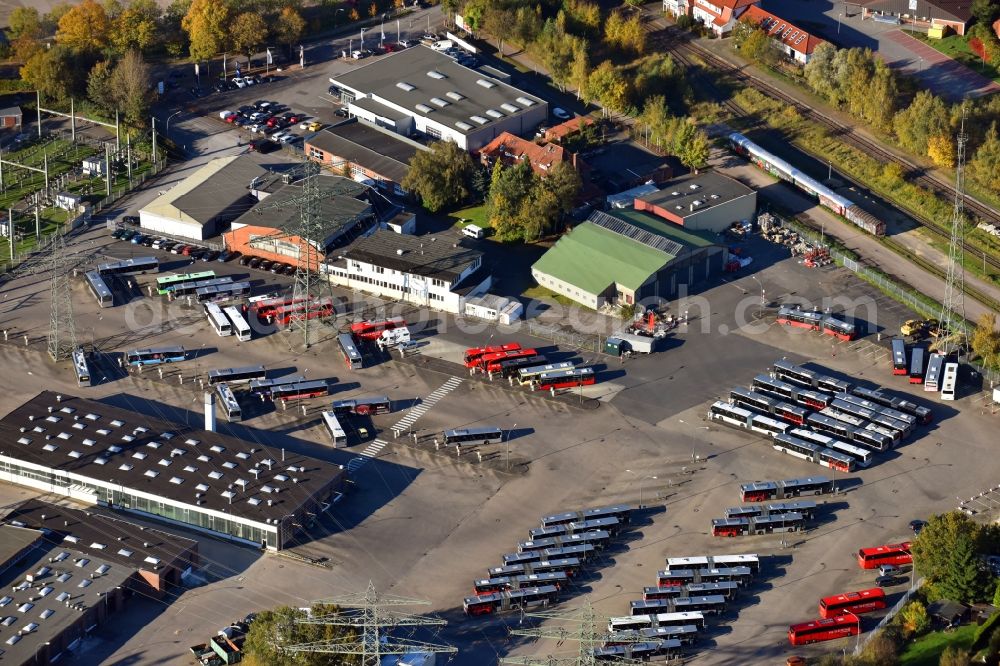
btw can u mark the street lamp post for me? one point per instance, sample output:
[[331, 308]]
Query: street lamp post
[[642, 479], [507, 442], [839, 14], [169, 119]]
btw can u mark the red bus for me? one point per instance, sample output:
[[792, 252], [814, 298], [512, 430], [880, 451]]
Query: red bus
[[282, 315], [565, 379], [857, 603], [491, 362], [809, 320], [895, 553], [824, 630], [267, 307], [839, 329], [473, 354], [371, 330], [791, 413]]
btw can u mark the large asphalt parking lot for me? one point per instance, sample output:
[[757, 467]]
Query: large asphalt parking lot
[[421, 523]]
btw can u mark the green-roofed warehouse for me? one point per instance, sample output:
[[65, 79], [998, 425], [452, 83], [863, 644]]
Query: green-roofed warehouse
[[627, 256]]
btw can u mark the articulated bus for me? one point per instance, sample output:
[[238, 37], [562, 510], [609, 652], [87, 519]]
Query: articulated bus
[[191, 288], [805, 507], [609, 524], [165, 283], [241, 328], [887, 424], [473, 354], [888, 435], [839, 328], [877, 408], [923, 414], [897, 554], [569, 565], [228, 402], [222, 293], [301, 390], [264, 307], [702, 562], [917, 366], [856, 603], [80, 367], [265, 386], [352, 357], [741, 397], [335, 429], [560, 379], [762, 491], [499, 602], [472, 436], [796, 447], [832, 384], [843, 417], [795, 316], [731, 415], [776, 388], [598, 539], [130, 266], [768, 426], [639, 622], [641, 651], [777, 523], [504, 583], [713, 604], [99, 288], [935, 366], [283, 315], [862, 457], [490, 363], [852, 408], [527, 375], [816, 631], [237, 375], [789, 372], [835, 427], [622, 512], [813, 399], [510, 367], [836, 460], [363, 406], [686, 634], [792, 413], [155, 356], [949, 381], [218, 320], [372, 330], [730, 527], [899, 366], [758, 491], [874, 440]]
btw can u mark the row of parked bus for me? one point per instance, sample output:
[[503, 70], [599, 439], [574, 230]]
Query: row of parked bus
[[527, 368], [813, 320], [543, 565], [203, 286], [686, 592], [341, 409], [99, 279], [771, 518], [934, 371], [838, 616], [254, 382]]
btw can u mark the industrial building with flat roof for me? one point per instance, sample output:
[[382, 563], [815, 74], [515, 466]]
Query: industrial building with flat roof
[[421, 90], [708, 201], [626, 256], [205, 481]]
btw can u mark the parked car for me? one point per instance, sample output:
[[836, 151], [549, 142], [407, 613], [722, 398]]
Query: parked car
[[148, 241], [177, 249], [289, 270], [262, 146], [239, 82], [138, 238], [278, 267], [117, 233], [210, 255], [254, 262], [225, 114], [245, 260], [168, 245], [341, 112], [264, 105], [917, 525], [277, 137], [294, 117], [227, 255], [889, 581], [560, 113], [249, 80], [187, 250], [405, 43], [264, 265], [289, 137], [131, 219]]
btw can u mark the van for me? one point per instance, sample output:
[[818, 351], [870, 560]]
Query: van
[[472, 231], [443, 45], [889, 581], [888, 570]]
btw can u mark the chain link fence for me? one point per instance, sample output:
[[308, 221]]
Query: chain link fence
[[862, 642]]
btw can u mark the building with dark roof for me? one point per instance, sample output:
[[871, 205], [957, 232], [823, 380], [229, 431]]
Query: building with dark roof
[[263, 231], [437, 271], [954, 14], [626, 256], [53, 595], [708, 201], [419, 90], [622, 165], [371, 154], [199, 206], [10, 117], [204, 481], [795, 42], [159, 558]]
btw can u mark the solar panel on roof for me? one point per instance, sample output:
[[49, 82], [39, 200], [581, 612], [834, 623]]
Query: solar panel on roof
[[647, 238]]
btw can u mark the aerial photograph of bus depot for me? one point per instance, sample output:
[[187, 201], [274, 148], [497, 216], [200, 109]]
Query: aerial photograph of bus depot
[[482, 332]]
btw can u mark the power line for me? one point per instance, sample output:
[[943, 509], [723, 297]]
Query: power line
[[370, 613], [953, 323], [62, 325]]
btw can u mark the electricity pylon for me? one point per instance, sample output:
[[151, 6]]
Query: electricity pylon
[[371, 614], [62, 326], [952, 325], [579, 626]]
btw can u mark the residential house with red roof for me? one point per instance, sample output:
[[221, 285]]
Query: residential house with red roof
[[719, 16], [793, 41], [513, 150]]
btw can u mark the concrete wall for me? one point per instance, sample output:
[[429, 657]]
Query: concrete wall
[[553, 283], [163, 225]]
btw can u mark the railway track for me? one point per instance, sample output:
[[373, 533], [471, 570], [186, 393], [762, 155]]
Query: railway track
[[681, 48]]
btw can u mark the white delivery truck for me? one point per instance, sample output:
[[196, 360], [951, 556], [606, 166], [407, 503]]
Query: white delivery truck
[[393, 337]]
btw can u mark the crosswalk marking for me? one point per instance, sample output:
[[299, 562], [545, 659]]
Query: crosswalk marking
[[371, 451], [419, 410]]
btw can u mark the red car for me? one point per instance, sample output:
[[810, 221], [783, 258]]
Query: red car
[[294, 118], [271, 122], [186, 250], [231, 118]]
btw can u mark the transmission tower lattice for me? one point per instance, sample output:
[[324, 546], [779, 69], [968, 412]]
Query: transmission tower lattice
[[579, 626], [372, 615], [953, 306], [62, 326], [311, 288]]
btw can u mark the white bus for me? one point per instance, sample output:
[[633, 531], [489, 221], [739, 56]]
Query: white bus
[[218, 320], [932, 381], [230, 405], [240, 326], [80, 367], [335, 430], [862, 456], [99, 288], [948, 381]]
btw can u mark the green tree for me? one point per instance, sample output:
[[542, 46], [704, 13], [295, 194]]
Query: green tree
[[926, 116], [131, 84], [608, 86], [247, 31], [880, 103], [985, 340], [24, 48], [497, 21], [819, 71], [85, 27], [963, 580], [694, 151], [556, 50], [205, 24], [933, 547], [24, 22], [752, 42], [174, 37], [941, 150], [279, 627], [134, 29], [984, 167], [583, 17], [914, 618], [985, 11], [565, 184], [881, 650], [505, 206], [955, 656], [579, 75], [50, 21], [47, 72], [99, 86], [440, 176], [290, 26], [473, 14], [996, 598]]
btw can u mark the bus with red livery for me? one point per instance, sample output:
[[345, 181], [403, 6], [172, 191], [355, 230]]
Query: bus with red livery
[[839, 328], [372, 330], [473, 354], [491, 363], [895, 553], [799, 318], [824, 630], [550, 381], [899, 366], [855, 603]]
